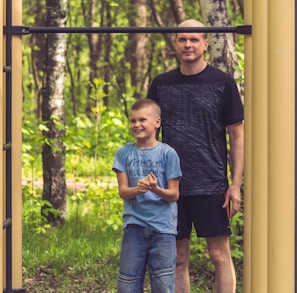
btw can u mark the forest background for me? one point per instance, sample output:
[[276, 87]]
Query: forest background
[[77, 90]]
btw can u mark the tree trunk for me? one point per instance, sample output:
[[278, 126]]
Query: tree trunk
[[136, 50], [90, 11], [37, 43], [53, 114], [221, 45], [177, 8], [107, 50]]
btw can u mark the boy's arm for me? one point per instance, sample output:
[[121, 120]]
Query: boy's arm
[[149, 183], [127, 192]]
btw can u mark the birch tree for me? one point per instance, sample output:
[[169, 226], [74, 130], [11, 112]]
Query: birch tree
[[53, 113], [221, 45]]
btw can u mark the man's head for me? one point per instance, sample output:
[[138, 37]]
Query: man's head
[[191, 46], [193, 23]]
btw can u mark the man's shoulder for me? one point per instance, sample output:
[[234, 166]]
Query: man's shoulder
[[171, 73], [217, 73]]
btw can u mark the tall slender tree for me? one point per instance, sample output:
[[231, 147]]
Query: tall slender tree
[[221, 45], [136, 52], [53, 112], [178, 10], [37, 43]]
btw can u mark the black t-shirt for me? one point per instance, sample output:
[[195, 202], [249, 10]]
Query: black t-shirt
[[195, 112]]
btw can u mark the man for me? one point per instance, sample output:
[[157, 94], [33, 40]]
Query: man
[[198, 103]]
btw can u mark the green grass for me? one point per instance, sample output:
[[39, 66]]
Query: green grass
[[82, 254]]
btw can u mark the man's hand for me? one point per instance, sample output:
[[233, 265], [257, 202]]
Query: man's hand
[[232, 195]]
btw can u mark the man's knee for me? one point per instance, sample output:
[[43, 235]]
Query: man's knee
[[183, 252]]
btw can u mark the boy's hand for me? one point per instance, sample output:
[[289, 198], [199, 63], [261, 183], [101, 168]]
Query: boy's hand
[[147, 183], [152, 179], [143, 185]]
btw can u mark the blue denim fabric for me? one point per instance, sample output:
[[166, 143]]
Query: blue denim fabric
[[142, 247]]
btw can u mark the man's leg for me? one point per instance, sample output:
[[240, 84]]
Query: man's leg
[[182, 280], [219, 252]]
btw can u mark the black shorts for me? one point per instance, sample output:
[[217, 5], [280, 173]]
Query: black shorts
[[205, 212]]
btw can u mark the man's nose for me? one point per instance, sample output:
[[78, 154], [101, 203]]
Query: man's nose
[[188, 43]]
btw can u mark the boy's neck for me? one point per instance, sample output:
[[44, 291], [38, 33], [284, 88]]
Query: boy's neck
[[146, 144]]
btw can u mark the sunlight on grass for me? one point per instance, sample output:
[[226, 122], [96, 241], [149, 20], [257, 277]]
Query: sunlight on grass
[[82, 254]]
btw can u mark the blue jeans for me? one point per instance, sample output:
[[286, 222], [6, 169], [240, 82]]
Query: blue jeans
[[142, 247]]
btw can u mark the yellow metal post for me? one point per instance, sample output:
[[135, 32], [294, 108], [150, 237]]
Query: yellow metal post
[[16, 148], [2, 264], [248, 147], [281, 142], [259, 157], [270, 156], [16, 218]]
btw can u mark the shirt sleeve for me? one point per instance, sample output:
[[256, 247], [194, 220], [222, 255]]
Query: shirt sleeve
[[119, 161], [233, 107], [173, 169]]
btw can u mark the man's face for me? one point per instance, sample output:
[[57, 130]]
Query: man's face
[[190, 46]]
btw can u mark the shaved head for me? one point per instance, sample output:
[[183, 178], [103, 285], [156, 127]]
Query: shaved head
[[191, 23]]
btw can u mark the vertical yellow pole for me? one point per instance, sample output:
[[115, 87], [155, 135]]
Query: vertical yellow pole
[[16, 218], [16, 148], [248, 148], [281, 141], [1, 144], [259, 158]]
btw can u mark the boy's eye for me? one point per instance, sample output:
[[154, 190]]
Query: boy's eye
[[140, 120]]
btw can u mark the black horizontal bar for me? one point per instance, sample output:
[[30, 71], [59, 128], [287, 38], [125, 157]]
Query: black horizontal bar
[[22, 30], [21, 290]]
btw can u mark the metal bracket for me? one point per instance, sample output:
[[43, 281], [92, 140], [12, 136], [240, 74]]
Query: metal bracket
[[6, 146], [6, 223]]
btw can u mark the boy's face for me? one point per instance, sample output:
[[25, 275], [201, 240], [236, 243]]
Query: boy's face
[[144, 123]]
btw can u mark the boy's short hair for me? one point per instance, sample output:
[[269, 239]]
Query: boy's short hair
[[146, 103]]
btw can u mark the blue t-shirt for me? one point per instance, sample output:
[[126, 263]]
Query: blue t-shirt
[[148, 209]]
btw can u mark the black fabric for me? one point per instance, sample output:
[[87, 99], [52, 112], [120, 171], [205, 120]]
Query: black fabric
[[195, 112]]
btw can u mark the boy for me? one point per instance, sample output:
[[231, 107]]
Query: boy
[[148, 174]]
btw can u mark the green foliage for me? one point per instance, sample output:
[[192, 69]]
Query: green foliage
[[85, 248], [31, 148], [90, 235], [33, 219]]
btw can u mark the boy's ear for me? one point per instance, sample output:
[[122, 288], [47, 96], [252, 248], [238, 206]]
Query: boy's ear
[[158, 120]]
